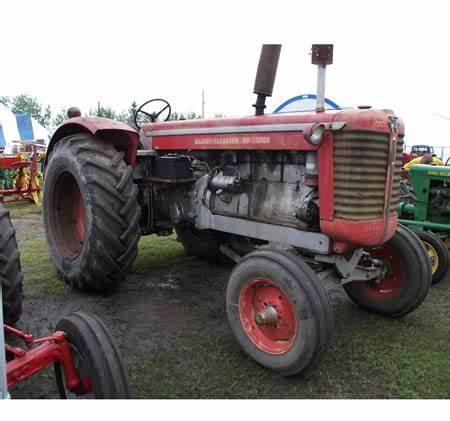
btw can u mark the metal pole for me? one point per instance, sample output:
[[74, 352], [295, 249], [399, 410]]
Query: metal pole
[[3, 381], [203, 103], [320, 97]]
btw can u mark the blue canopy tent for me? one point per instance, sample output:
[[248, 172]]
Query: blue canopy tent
[[19, 127]]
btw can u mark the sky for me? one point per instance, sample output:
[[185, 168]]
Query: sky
[[388, 54]]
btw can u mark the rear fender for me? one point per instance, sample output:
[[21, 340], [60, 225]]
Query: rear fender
[[123, 137]]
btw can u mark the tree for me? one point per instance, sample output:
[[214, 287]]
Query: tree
[[28, 104], [59, 118]]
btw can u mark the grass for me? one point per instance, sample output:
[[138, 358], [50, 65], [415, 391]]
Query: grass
[[371, 357]]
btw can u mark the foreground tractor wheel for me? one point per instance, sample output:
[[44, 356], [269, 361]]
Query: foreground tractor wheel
[[407, 281], [91, 212], [10, 272], [95, 357], [437, 252], [203, 244], [278, 311]]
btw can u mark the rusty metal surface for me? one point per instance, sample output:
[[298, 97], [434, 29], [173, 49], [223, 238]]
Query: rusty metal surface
[[360, 165], [267, 69]]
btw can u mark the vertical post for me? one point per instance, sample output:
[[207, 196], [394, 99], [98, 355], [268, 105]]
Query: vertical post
[[203, 103], [322, 55], [320, 95], [3, 380]]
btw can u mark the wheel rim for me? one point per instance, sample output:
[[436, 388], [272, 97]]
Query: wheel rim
[[267, 316], [391, 285], [447, 243], [434, 258], [67, 217]]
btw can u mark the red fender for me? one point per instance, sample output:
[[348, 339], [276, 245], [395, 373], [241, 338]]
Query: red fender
[[121, 135]]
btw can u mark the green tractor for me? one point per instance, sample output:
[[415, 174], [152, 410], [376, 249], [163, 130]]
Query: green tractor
[[425, 207]]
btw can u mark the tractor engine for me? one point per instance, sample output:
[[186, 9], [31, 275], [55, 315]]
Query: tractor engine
[[271, 187]]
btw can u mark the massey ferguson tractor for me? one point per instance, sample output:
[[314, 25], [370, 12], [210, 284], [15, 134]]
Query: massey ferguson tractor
[[302, 202]]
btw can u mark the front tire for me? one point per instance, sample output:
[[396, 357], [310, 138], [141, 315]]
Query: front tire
[[95, 356], [407, 280], [91, 213], [437, 252], [278, 311]]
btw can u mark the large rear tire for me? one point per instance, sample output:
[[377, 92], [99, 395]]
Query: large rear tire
[[10, 271], [95, 356], [279, 311], [203, 244], [407, 280], [91, 213]]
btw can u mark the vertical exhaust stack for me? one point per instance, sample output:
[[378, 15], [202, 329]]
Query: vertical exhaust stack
[[322, 55], [265, 75]]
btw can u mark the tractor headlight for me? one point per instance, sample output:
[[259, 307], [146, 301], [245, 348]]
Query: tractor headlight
[[314, 133]]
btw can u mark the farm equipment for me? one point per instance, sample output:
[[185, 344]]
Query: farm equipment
[[425, 207], [86, 361], [301, 202], [21, 175]]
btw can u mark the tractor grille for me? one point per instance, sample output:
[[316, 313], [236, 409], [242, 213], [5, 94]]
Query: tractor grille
[[360, 171]]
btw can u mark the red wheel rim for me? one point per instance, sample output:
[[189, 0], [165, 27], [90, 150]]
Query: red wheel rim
[[66, 215], [257, 297], [392, 283]]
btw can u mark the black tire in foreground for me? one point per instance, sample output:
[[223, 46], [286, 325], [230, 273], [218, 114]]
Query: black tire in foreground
[[407, 280], [437, 252], [96, 357], [10, 271], [279, 311], [203, 244], [91, 213]]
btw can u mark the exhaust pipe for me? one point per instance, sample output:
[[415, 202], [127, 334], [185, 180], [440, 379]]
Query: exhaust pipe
[[322, 55], [265, 75]]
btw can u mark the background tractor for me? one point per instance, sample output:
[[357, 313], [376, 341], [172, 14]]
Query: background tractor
[[86, 360], [301, 202], [425, 207]]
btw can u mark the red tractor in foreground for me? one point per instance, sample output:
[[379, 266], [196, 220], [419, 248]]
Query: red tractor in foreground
[[302, 202]]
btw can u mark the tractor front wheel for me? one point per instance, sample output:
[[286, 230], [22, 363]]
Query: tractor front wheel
[[407, 279], [278, 311], [437, 252], [91, 213]]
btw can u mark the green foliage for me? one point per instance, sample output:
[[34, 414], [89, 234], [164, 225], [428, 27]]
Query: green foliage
[[59, 118], [28, 104], [190, 115]]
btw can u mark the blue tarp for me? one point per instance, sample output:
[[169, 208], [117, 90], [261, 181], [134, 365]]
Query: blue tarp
[[2, 137], [25, 126]]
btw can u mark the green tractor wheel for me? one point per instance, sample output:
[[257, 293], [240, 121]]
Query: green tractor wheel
[[438, 253]]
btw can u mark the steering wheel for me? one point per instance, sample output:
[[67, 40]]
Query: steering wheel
[[153, 116], [446, 162]]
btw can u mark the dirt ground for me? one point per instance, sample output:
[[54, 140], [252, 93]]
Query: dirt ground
[[169, 321]]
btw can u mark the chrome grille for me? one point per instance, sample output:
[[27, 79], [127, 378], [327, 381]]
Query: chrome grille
[[360, 166]]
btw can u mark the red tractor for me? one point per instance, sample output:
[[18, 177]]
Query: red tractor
[[302, 202]]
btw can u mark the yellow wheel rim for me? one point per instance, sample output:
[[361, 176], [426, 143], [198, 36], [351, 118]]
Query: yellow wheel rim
[[434, 258], [37, 195], [447, 243]]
